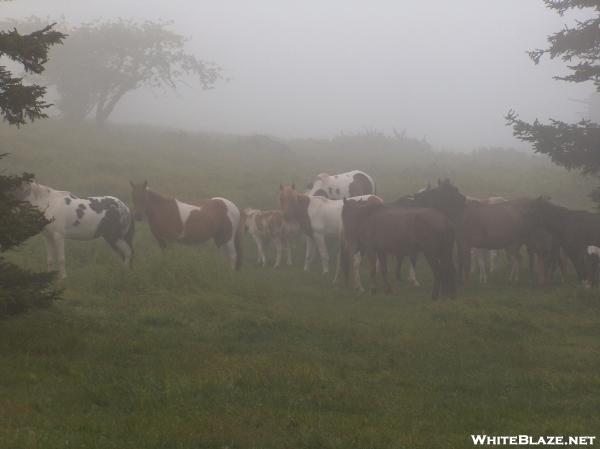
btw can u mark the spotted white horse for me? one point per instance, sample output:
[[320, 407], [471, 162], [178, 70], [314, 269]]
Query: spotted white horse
[[79, 219]]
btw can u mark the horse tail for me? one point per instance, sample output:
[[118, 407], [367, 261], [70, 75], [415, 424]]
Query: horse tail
[[237, 241]]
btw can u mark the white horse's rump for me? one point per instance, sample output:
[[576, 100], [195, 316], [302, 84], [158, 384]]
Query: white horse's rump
[[344, 185], [80, 219]]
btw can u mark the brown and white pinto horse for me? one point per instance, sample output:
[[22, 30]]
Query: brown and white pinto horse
[[171, 220]]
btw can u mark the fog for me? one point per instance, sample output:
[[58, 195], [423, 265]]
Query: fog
[[445, 70]]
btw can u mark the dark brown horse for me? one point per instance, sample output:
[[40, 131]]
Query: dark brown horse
[[489, 226], [378, 230], [575, 230]]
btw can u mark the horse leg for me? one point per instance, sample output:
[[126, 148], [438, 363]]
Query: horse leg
[[288, 247], [383, 268], [310, 253], [464, 262], [372, 257], [412, 271], [230, 252], [262, 259], [515, 263], [323, 253], [480, 257], [434, 263], [338, 265], [493, 255], [59, 244], [278, 251], [533, 261], [125, 251], [50, 244], [356, 259]]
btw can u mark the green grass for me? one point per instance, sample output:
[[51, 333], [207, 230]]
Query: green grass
[[182, 353]]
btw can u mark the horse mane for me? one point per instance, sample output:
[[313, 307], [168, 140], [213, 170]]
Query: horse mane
[[158, 196]]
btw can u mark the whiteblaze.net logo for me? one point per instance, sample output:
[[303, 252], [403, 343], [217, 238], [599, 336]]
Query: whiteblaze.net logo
[[528, 440]]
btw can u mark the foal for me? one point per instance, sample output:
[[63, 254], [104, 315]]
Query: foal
[[269, 226], [171, 220]]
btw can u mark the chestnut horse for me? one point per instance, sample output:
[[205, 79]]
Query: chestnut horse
[[379, 230], [171, 220]]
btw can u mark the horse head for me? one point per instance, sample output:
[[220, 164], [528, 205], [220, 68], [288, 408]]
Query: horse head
[[139, 195], [445, 197], [288, 201]]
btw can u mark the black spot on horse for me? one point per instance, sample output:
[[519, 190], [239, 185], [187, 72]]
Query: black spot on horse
[[337, 191], [76, 222], [67, 200], [322, 193], [101, 205], [330, 190], [82, 206], [79, 213], [110, 225]]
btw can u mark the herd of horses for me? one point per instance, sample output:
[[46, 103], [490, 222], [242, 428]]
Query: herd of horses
[[440, 223]]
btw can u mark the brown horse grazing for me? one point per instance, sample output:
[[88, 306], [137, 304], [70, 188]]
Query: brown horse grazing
[[575, 230], [171, 220], [379, 230]]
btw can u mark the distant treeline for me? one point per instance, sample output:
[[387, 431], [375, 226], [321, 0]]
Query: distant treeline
[[249, 169]]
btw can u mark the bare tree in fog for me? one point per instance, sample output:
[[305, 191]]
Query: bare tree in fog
[[574, 146], [103, 61]]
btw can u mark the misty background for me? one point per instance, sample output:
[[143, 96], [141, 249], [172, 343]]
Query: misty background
[[447, 71]]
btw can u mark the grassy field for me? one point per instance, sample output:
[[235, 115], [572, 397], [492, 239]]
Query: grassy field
[[182, 353]]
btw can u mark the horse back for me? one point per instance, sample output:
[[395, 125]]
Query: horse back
[[216, 219]]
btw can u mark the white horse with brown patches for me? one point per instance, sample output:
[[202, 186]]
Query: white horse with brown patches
[[269, 226], [77, 218], [343, 185], [171, 220]]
